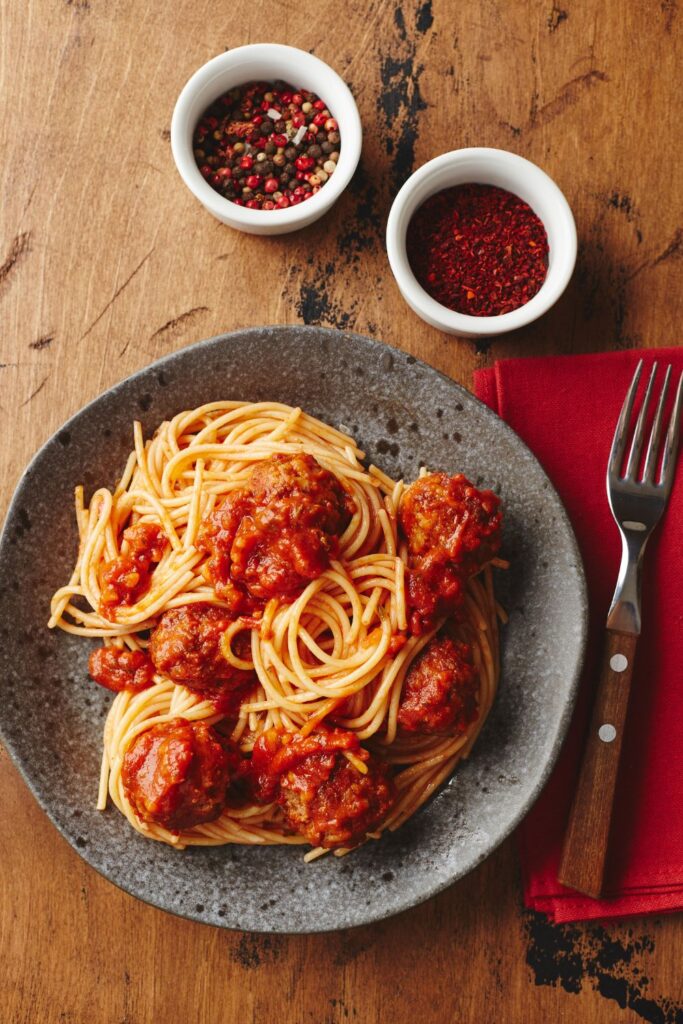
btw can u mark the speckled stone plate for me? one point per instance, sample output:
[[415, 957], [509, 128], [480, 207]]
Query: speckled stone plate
[[404, 415]]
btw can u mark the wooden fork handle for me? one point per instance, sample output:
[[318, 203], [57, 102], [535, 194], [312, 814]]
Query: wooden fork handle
[[584, 854]]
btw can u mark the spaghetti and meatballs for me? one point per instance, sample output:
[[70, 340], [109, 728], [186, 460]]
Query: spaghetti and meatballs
[[301, 648]]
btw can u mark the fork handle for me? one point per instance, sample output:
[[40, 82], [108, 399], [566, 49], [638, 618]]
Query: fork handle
[[584, 854]]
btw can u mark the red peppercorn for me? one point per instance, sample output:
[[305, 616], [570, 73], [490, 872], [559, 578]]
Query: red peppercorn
[[253, 204], [246, 163], [286, 97], [280, 140], [319, 120], [319, 105], [253, 181], [297, 98], [257, 119], [298, 119], [205, 170], [304, 163], [283, 202], [271, 185]]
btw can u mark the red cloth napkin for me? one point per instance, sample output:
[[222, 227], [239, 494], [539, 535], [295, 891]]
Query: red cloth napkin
[[565, 408]]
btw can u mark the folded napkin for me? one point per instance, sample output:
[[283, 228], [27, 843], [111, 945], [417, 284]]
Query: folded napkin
[[565, 408]]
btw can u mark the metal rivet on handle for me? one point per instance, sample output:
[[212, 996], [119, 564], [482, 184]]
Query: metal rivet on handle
[[618, 662], [607, 733]]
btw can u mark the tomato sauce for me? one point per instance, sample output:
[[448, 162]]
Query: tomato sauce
[[124, 580]]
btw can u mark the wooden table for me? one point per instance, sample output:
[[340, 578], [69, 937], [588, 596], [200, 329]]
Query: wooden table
[[107, 262]]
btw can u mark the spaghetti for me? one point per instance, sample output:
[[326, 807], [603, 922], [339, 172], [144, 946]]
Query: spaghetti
[[316, 636]]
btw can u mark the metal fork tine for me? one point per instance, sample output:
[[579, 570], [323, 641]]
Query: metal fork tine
[[655, 436], [616, 456], [666, 477], [637, 445]]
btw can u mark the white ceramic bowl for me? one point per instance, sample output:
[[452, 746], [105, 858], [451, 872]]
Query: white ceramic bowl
[[265, 62], [484, 167]]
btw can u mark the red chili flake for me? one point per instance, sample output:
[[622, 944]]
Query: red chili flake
[[478, 249], [239, 128]]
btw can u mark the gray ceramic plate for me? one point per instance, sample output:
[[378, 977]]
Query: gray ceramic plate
[[404, 414]]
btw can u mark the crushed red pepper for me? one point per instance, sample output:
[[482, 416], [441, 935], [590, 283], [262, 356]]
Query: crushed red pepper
[[478, 249]]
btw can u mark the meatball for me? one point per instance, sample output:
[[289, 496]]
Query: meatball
[[277, 534], [432, 592], [440, 689], [176, 774], [322, 795], [296, 490], [186, 647], [452, 530], [117, 668], [449, 519]]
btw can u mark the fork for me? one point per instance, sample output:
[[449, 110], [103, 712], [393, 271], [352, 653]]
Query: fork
[[637, 502]]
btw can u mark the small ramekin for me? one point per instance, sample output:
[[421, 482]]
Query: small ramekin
[[265, 62], [484, 167]]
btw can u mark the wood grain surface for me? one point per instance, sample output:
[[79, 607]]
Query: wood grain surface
[[107, 262]]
